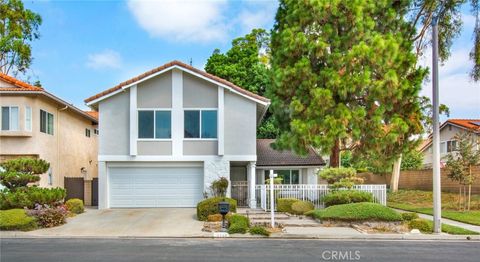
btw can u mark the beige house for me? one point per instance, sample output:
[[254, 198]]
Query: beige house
[[38, 124], [448, 144]]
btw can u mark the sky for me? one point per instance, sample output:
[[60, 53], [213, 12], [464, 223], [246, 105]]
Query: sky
[[89, 46]]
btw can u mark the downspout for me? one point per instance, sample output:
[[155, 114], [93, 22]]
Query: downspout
[[58, 140]]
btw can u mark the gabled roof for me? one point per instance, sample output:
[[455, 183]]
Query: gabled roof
[[19, 87], [267, 156], [181, 66], [472, 125], [93, 114]]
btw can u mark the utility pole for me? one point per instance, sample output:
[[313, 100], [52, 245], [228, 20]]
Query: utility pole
[[437, 199]]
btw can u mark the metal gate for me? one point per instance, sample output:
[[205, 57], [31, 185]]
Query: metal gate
[[240, 192], [95, 192], [75, 187]]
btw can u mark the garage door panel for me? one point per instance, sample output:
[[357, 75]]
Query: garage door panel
[[155, 187]]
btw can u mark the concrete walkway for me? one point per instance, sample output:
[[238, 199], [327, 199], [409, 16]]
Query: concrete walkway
[[446, 221]]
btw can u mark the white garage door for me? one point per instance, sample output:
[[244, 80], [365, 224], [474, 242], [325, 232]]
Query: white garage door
[[155, 186]]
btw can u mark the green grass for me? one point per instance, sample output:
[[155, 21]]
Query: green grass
[[421, 202], [356, 212], [16, 219], [426, 226]]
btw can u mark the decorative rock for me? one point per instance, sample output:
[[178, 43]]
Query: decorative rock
[[415, 231], [212, 226]]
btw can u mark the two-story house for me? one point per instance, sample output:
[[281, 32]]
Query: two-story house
[[165, 135], [36, 123], [448, 130]]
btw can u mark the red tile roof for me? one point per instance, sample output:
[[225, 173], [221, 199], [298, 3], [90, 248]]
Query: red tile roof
[[267, 156], [19, 85], [93, 114], [466, 123], [185, 66]]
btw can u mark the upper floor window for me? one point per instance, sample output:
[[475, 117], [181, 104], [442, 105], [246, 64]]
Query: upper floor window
[[28, 118], [87, 132], [154, 124], [200, 124], [448, 146], [10, 118], [46, 122], [95, 131]]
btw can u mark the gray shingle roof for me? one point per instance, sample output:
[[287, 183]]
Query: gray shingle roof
[[267, 156]]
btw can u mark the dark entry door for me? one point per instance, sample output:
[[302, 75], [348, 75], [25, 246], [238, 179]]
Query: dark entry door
[[95, 192]]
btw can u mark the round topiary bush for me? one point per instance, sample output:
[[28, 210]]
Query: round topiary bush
[[409, 216], [346, 197], [209, 206], [75, 205], [421, 224], [285, 204], [301, 207]]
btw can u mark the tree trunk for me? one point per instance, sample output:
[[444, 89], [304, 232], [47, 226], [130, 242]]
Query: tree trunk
[[335, 155], [396, 174]]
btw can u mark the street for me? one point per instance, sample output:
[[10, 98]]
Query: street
[[140, 250]]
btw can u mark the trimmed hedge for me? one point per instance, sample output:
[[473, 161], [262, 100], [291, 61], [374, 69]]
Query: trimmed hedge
[[30, 196], [409, 216], [16, 219], [356, 212], [209, 206], [75, 205], [347, 197], [285, 204], [301, 207], [238, 224], [257, 230]]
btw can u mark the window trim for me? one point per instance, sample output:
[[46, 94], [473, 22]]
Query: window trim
[[200, 124], [28, 116], [10, 118], [154, 123]]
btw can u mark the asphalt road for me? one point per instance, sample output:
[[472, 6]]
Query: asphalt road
[[139, 250]]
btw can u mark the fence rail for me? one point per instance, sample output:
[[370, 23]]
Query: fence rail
[[312, 193]]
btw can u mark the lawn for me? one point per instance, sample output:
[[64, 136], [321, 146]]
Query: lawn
[[421, 202]]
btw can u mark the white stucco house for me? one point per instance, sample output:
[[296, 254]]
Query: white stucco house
[[448, 144], [165, 135]]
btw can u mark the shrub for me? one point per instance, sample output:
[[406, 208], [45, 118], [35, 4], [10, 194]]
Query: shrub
[[357, 212], [300, 207], [16, 219], [285, 204], [75, 205], [347, 197], [209, 206], [257, 230], [238, 224], [409, 216], [218, 217], [219, 187], [340, 177], [18, 173], [28, 197], [49, 216], [421, 224]]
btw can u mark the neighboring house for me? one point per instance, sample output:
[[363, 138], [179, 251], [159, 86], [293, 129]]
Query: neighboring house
[[448, 144], [36, 123], [167, 134]]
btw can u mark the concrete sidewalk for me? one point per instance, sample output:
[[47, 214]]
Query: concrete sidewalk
[[445, 221]]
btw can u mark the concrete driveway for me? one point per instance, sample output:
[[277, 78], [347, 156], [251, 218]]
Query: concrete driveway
[[141, 222]]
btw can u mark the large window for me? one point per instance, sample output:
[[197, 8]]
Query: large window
[[154, 124], [46, 122], [289, 177], [200, 124], [10, 118], [448, 146]]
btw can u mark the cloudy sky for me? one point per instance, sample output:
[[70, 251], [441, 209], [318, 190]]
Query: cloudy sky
[[86, 47]]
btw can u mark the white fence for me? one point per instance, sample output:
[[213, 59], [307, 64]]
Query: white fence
[[312, 193]]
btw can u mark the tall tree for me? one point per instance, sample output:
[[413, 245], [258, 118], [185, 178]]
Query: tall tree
[[449, 25], [344, 75], [246, 65], [18, 28]]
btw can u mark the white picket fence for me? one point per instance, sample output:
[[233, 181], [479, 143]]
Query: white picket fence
[[312, 193]]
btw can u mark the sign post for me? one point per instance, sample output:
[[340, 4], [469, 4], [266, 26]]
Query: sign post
[[272, 203]]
